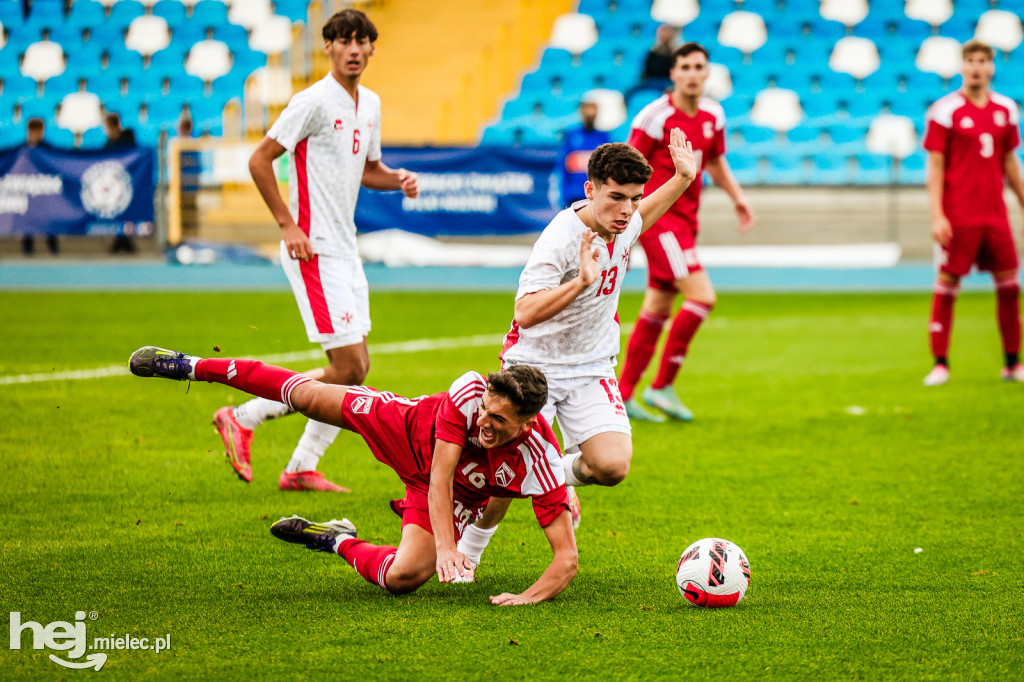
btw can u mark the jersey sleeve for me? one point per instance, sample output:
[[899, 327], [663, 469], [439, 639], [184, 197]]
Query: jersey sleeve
[[548, 506], [935, 135], [1012, 139], [458, 408], [641, 141], [717, 148], [298, 121], [546, 266]]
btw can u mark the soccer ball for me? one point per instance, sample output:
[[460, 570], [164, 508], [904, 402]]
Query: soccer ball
[[713, 572]]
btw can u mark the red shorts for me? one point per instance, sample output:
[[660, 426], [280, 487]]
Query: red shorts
[[383, 420], [991, 247], [671, 256]]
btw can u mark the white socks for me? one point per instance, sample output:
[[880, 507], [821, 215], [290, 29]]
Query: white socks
[[315, 440], [474, 541], [193, 361], [570, 476], [254, 412]]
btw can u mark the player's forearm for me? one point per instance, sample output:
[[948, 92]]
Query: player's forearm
[[722, 176], [933, 183], [439, 507], [1013, 177], [379, 177], [555, 578], [541, 306], [656, 204], [262, 172]]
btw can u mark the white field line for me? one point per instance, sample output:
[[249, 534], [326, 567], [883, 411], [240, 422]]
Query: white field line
[[397, 347]]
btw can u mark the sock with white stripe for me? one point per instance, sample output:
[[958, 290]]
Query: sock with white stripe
[[254, 412], [370, 561], [684, 327], [314, 442], [251, 376], [571, 467], [474, 541]]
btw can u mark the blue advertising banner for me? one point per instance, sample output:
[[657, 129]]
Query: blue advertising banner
[[50, 191], [466, 191]]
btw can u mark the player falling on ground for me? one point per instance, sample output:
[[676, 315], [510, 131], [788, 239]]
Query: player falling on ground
[[452, 450], [332, 132], [970, 138], [672, 264], [566, 319]]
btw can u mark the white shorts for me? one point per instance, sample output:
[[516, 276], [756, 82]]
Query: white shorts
[[333, 298], [585, 406]]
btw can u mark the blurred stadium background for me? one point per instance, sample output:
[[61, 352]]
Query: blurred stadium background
[[825, 99]]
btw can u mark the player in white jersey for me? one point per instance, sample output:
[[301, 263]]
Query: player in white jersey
[[332, 132], [566, 320]]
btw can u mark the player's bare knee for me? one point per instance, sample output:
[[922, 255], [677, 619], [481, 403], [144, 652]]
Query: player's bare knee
[[613, 471], [349, 374], [404, 581]]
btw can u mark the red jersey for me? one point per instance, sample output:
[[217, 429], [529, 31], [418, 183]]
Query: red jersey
[[975, 141], [402, 432], [649, 133]]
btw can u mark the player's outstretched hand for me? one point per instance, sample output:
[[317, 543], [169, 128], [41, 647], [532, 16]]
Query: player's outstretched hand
[[297, 243], [589, 259], [682, 155], [746, 216], [452, 565], [410, 183], [942, 231], [507, 599]]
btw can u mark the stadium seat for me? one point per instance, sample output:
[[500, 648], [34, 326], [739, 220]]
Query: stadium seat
[[250, 13], [939, 55], [959, 27], [1000, 29], [911, 170], [892, 135], [745, 31], [719, 83], [208, 59], [209, 13], [855, 56], [94, 138], [235, 37], [873, 169], [61, 138], [776, 108], [123, 12], [171, 11], [80, 111], [187, 87], [147, 34], [294, 10], [848, 12], [273, 36], [575, 33], [42, 60], [675, 12], [86, 13], [16, 86], [934, 12]]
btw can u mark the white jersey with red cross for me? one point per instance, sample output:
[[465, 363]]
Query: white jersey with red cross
[[584, 337], [330, 137]]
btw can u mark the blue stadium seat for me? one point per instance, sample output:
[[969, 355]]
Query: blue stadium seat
[[296, 10], [231, 84], [912, 168], [111, 34], [94, 138], [188, 33], [207, 113], [874, 169], [17, 86], [498, 135], [123, 11], [554, 58], [165, 112], [208, 13], [232, 35], [11, 135], [737, 105], [86, 13], [960, 26], [172, 11], [46, 11], [10, 15], [247, 61], [187, 87], [59, 137], [169, 60], [149, 85], [831, 168]]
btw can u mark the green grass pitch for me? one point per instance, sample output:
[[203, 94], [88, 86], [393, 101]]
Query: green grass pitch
[[816, 449]]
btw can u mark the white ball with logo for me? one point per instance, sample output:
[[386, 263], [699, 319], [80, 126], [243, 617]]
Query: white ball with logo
[[713, 573]]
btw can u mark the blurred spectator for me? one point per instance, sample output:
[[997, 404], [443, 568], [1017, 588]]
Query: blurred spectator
[[119, 137], [578, 143], [660, 60], [189, 159], [35, 129]]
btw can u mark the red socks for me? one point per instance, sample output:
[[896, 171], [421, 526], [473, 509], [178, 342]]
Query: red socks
[[251, 376], [684, 326], [641, 347], [1008, 313], [370, 561], [940, 326]]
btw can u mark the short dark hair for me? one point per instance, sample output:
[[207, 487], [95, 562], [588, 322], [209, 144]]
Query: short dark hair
[[619, 162], [35, 123], [522, 385], [349, 21], [113, 119], [972, 46], [689, 48]]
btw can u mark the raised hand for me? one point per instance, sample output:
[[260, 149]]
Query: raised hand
[[682, 155], [589, 263]]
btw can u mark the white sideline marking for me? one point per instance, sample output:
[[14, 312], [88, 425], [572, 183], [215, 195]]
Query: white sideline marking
[[395, 347]]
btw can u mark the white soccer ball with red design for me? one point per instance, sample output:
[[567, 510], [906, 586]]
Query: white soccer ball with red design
[[713, 573]]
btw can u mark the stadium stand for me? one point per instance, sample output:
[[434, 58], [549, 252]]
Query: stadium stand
[[845, 63]]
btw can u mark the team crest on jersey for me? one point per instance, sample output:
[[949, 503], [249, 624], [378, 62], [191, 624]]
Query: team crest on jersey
[[999, 118], [504, 475], [338, 125], [361, 405], [709, 130], [966, 123]]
